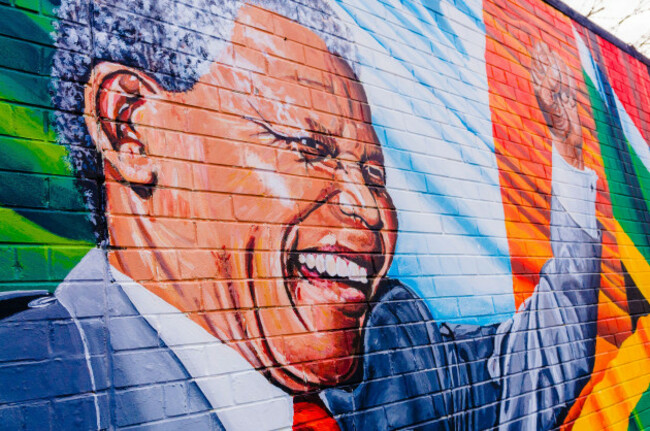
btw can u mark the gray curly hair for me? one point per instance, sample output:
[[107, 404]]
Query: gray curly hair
[[174, 42]]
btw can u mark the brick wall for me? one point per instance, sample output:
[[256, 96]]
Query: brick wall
[[321, 214]]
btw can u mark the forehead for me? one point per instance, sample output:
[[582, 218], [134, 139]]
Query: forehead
[[279, 68], [286, 45]]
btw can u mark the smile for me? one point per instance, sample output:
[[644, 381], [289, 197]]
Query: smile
[[331, 275], [333, 266]]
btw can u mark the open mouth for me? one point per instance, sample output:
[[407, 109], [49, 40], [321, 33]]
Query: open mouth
[[333, 276], [333, 266]]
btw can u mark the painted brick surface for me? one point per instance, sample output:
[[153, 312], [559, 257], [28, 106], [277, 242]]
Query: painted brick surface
[[321, 214]]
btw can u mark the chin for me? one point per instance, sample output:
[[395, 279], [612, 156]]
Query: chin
[[322, 368]]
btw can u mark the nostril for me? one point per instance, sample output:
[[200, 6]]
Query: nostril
[[367, 214]]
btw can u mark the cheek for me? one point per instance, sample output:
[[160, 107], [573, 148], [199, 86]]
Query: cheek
[[274, 185], [268, 264], [268, 271], [388, 212], [389, 217], [268, 181], [284, 187]]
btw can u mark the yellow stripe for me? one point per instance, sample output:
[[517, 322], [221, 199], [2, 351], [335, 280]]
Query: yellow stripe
[[626, 379], [635, 263], [614, 398]]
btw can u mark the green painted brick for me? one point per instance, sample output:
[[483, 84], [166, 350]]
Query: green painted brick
[[25, 122], [33, 156], [21, 55], [49, 7], [65, 225], [23, 190], [32, 263], [7, 263], [32, 5], [46, 60], [17, 228], [22, 87], [64, 194], [26, 26], [63, 259]]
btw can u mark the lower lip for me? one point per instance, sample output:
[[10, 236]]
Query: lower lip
[[335, 291]]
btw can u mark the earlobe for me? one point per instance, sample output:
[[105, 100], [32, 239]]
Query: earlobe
[[119, 94]]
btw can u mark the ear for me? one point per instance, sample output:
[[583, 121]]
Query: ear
[[117, 93]]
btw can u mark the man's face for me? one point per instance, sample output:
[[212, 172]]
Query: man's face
[[270, 224]]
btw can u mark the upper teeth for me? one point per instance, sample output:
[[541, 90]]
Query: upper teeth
[[334, 266]]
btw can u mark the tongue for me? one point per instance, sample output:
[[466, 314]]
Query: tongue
[[332, 289]]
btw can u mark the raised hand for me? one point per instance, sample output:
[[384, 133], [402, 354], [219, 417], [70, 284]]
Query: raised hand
[[556, 95]]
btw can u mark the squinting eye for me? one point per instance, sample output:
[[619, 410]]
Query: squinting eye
[[313, 149], [374, 175]]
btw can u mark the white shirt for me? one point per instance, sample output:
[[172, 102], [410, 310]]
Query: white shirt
[[576, 191]]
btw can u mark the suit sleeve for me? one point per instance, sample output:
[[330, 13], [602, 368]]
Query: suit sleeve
[[544, 355]]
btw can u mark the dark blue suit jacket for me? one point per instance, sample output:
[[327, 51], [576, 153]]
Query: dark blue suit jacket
[[416, 373]]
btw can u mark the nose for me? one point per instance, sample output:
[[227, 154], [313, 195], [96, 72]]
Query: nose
[[356, 200]]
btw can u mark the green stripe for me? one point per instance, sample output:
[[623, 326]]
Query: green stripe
[[642, 175], [33, 156], [25, 122], [47, 232], [31, 257], [26, 25], [25, 88], [628, 202], [18, 229]]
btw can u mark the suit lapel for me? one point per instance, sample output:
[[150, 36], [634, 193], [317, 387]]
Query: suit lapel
[[145, 380]]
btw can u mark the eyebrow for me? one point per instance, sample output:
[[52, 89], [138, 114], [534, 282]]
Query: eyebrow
[[319, 127]]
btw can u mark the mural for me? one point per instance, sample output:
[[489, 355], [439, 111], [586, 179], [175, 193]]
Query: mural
[[322, 215]]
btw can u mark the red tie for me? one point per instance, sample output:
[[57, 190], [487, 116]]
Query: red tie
[[310, 414]]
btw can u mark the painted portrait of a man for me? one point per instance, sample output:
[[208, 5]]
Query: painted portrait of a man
[[227, 153]]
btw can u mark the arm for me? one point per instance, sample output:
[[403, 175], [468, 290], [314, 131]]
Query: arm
[[544, 355]]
